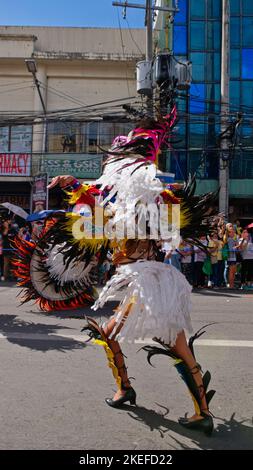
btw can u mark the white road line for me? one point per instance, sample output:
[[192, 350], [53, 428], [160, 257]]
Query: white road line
[[82, 338]]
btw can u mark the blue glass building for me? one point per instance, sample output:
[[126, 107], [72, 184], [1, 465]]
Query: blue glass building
[[197, 37]]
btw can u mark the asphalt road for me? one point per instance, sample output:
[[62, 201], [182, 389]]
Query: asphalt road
[[53, 385]]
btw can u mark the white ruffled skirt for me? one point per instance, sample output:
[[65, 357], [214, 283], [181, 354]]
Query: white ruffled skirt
[[155, 303]]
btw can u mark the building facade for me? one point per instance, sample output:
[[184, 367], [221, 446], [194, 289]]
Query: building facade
[[196, 35], [84, 77]]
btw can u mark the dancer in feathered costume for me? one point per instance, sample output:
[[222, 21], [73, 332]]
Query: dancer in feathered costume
[[156, 296]]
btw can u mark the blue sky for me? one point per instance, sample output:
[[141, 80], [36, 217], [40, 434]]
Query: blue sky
[[82, 13]]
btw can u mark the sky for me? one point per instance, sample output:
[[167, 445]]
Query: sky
[[79, 13]]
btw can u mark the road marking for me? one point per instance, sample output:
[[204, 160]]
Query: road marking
[[82, 338]]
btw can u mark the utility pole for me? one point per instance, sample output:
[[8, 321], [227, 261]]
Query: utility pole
[[149, 8], [32, 68], [225, 76], [149, 49], [149, 31]]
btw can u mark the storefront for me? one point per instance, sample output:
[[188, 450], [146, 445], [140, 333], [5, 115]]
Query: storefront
[[17, 193]]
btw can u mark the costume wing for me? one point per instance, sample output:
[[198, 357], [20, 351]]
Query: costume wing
[[53, 271]]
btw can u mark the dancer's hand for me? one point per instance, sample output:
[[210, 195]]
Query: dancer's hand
[[62, 180]]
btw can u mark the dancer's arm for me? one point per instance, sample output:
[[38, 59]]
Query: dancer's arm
[[64, 182]]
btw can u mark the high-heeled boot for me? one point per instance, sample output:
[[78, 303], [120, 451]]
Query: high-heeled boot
[[129, 393], [197, 392], [115, 362]]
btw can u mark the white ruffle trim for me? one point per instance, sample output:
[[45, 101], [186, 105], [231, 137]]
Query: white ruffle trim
[[160, 295]]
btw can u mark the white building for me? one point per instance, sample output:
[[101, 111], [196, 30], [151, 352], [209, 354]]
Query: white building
[[76, 68]]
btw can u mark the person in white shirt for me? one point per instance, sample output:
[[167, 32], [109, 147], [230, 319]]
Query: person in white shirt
[[246, 247]]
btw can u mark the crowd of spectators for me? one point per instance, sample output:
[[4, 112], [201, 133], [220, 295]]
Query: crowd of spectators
[[9, 228], [226, 261]]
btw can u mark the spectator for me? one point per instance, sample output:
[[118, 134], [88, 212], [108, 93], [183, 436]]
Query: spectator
[[213, 248], [232, 241], [221, 265], [24, 233], [166, 247], [199, 258], [238, 228], [172, 256], [246, 247], [6, 231], [186, 251]]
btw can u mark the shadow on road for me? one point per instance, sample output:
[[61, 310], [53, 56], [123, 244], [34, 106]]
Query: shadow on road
[[82, 312], [229, 434], [24, 334], [218, 293]]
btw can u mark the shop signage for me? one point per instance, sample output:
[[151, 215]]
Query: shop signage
[[15, 164], [78, 165]]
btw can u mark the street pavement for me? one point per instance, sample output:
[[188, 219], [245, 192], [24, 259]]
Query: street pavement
[[53, 385]]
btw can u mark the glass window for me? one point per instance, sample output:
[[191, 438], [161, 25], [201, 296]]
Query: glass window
[[122, 128], [197, 133], [180, 17], [180, 40], [246, 132], [181, 104], [4, 139], [217, 66], [21, 139], [212, 67], [247, 32], [235, 59], [197, 163], [247, 93], [213, 35], [212, 164], [91, 137], [235, 7], [197, 100], [64, 137], [178, 164], [247, 7], [214, 9], [213, 97], [235, 34], [235, 94], [180, 129], [198, 65], [197, 8], [247, 63], [197, 35], [106, 134]]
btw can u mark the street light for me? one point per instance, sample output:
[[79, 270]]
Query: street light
[[31, 66]]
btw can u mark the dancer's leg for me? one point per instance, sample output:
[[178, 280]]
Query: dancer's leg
[[182, 350], [118, 358], [105, 336]]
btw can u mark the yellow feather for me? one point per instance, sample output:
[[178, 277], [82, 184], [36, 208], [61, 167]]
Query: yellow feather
[[110, 357], [73, 197]]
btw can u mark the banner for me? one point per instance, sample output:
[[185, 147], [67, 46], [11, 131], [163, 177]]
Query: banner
[[78, 165], [39, 194], [15, 164]]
